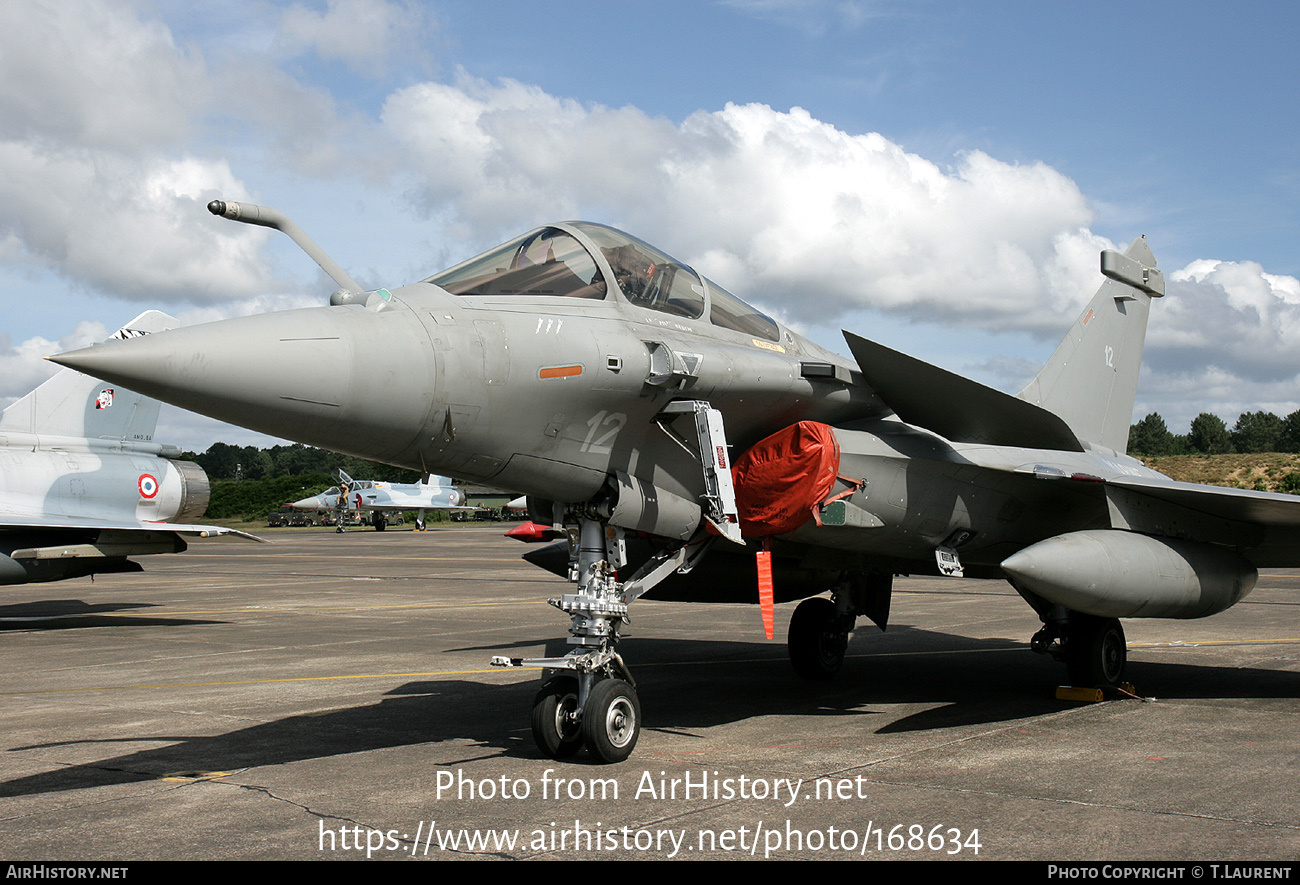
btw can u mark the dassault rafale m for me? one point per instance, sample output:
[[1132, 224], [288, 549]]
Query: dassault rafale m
[[375, 497], [611, 384], [83, 485]]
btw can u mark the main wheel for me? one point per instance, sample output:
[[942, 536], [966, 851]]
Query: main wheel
[[1097, 651], [816, 640], [611, 720], [556, 730]]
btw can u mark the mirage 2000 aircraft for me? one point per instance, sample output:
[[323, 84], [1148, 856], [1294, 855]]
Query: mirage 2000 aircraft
[[375, 496], [611, 384], [82, 483]]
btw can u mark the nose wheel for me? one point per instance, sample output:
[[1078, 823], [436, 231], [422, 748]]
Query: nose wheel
[[592, 702], [611, 720], [557, 729], [607, 724]]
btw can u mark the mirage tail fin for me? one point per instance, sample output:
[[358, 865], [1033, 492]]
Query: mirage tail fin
[[1091, 379], [71, 404]]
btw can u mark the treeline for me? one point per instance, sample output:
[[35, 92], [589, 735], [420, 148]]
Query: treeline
[[255, 498], [224, 461], [1254, 432]]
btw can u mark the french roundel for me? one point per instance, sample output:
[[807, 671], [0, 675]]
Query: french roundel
[[148, 485]]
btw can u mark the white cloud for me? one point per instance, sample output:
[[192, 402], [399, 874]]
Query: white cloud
[[135, 228], [813, 222], [1231, 314], [23, 366], [88, 72], [511, 154], [781, 206], [361, 34], [97, 106], [113, 134]]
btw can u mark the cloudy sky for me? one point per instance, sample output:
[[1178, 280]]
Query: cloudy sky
[[937, 176]]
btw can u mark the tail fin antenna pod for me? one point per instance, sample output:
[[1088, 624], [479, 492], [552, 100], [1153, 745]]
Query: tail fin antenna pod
[[1091, 380]]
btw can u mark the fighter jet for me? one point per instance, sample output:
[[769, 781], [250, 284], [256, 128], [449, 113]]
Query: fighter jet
[[82, 483], [435, 493], [612, 384]]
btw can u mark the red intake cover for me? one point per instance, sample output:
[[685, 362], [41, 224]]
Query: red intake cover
[[782, 478]]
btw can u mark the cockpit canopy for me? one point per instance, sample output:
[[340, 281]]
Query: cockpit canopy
[[352, 486], [579, 259]]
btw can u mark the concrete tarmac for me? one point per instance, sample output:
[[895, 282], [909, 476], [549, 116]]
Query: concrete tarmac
[[329, 697]]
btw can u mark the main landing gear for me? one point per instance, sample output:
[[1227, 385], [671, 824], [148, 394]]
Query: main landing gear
[[818, 638], [1094, 649], [820, 627]]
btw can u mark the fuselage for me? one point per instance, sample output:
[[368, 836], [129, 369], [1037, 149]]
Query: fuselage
[[545, 367], [64, 477], [379, 495]]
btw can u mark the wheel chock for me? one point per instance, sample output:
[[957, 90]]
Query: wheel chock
[[1095, 695], [1083, 695]]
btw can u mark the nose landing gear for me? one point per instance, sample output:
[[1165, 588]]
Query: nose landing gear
[[593, 701]]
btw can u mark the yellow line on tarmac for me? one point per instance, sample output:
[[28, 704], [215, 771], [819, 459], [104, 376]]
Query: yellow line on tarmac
[[255, 681], [1196, 643], [277, 609], [478, 672], [327, 558]]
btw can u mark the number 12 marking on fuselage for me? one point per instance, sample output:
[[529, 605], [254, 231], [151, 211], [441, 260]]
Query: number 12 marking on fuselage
[[601, 445]]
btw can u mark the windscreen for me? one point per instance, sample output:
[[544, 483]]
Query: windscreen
[[546, 262]]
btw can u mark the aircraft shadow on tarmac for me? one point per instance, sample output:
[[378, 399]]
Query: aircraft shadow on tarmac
[[73, 614], [685, 686]]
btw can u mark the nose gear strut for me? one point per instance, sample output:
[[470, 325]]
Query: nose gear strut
[[593, 701], [597, 705]]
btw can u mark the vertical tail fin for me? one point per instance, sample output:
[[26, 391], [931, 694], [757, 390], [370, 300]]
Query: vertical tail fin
[[1091, 379], [75, 405]]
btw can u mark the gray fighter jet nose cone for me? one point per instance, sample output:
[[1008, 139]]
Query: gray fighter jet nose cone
[[325, 375]]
